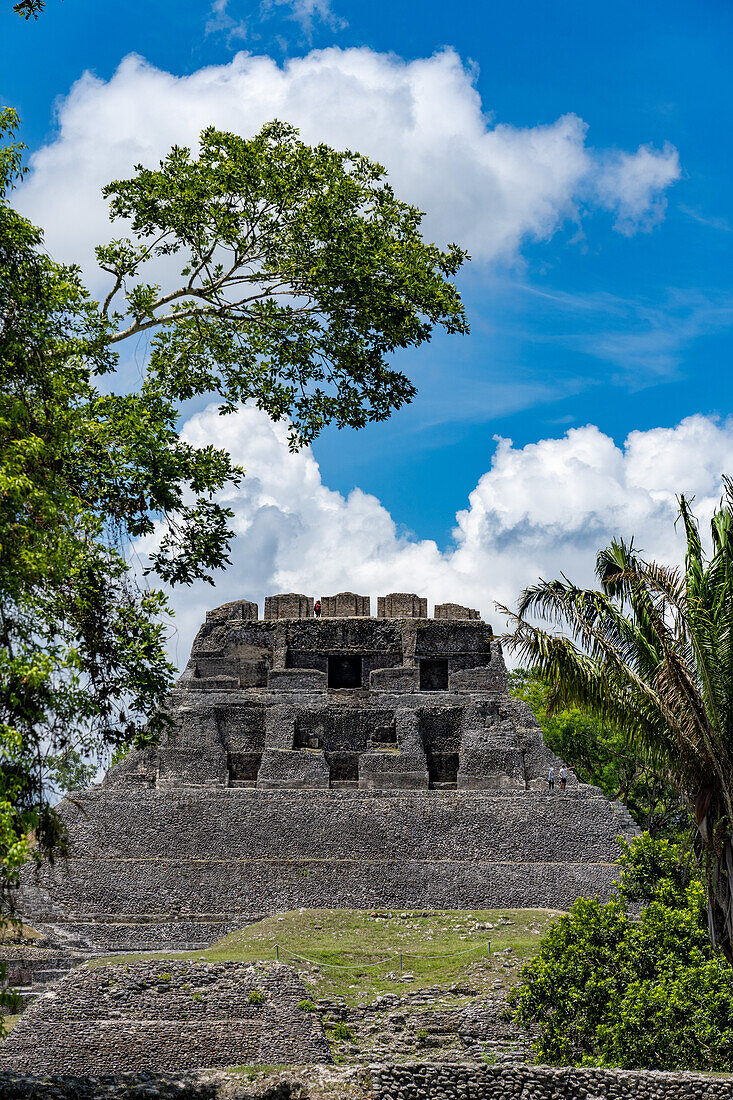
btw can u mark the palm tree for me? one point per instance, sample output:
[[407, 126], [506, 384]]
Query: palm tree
[[652, 653]]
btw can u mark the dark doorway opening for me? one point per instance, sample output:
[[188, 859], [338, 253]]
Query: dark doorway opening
[[384, 735], [433, 675], [344, 672], [343, 769], [243, 768], [442, 770]]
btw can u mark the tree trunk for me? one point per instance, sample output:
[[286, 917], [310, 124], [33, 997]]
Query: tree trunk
[[720, 900]]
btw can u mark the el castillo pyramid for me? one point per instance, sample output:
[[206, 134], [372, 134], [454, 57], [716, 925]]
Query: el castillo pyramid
[[344, 761]]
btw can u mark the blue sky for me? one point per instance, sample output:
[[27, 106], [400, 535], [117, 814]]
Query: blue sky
[[591, 321]]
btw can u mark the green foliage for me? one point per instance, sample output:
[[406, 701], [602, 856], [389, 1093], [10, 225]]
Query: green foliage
[[653, 869], [307, 1005], [11, 1002], [649, 654], [300, 272], [69, 771], [256, 997], [599, 755], [82, 660], [342, 1031], [29, 9], [610, 989]]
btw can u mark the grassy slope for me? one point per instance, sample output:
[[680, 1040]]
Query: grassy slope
[[366, 945]]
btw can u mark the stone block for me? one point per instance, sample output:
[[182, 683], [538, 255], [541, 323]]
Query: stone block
[[225, 668], [296, 679], [289, 605], [490, 765], [293, 768], [383, 771], [402, 605], [454, 611], [345, 605], [253, 673], [213, 683], [395, 680], [280, 727], [191, 767], [491, 677], [236, 610]]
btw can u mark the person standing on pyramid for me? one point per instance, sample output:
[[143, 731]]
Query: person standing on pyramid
[[551, 779]]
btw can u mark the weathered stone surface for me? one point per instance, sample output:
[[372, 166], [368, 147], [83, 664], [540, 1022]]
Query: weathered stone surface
[[454, 611], [236, 611], [296, 679], [402, 605], [393, 680], [503, 1082], [338, 762], [292, 769], [344, 605], [166, 1016], [379, 1081], [213, 859], [289, 605]]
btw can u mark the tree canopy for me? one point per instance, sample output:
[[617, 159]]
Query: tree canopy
[[29, 9], [648, 992], [650, 653], [299, 273]]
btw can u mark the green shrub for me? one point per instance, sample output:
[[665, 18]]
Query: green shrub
[[256, 997], [11, 1001], [342, 1031], [197, 997], [656, 870], [307, 1006], [164, 977], [609, 989]]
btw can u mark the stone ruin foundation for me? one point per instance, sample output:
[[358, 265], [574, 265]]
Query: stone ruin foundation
[[340, 762], [167, 1016]]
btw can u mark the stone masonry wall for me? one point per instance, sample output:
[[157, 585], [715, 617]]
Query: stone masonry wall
[[382, 1082], [454, 611], [228, 855], [444, 1082], [398, 605], [166, 1016], [345, 604]]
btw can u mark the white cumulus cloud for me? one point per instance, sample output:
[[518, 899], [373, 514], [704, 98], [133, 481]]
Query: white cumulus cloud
[[540, 510], [489, 186]]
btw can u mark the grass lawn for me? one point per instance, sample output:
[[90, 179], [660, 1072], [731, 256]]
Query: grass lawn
[[355, 954], [8, 1023]]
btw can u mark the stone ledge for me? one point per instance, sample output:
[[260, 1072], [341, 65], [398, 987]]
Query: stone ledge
[[379, 1082], [519, 1082]]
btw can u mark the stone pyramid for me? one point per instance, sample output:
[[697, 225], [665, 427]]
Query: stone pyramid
[[340, 761]]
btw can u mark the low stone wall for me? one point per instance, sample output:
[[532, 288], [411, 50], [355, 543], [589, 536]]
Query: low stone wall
[[144, 1086], [166, 1016], [425, 1082], [413, 1082]]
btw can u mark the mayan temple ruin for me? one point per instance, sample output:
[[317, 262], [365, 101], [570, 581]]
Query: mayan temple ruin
[[346, 761]]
